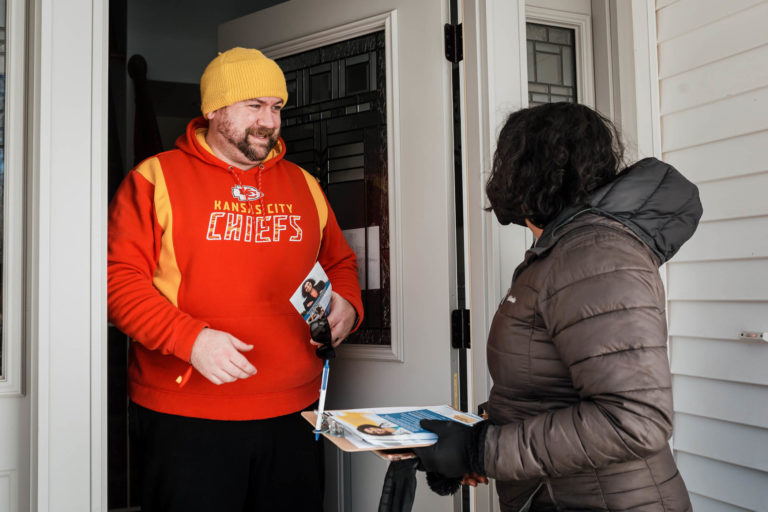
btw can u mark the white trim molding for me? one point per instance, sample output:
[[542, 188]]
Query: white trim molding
[[98, 267], [647, 76], [388, 23], [635, 77], [495, 85], [67, 254], [13, 337], [581, 24]]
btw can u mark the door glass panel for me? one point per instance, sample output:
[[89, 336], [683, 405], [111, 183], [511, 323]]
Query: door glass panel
[[560, 35], [335, 127], [536, 32], [551, 64], [2, 169], [549, 68]]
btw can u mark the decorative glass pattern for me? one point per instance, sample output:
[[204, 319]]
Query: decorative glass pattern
[[335, 126], [551, 55]]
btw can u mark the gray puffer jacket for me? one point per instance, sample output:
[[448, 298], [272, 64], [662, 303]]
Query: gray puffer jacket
[[582, 401]]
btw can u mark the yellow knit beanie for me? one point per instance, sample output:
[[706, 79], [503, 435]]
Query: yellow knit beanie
[[240, 74]]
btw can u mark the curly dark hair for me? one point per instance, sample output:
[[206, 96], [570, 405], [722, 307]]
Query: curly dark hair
[[548, 158], [305, 293]]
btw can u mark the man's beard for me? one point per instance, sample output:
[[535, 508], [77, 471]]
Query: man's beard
[[256, 152]]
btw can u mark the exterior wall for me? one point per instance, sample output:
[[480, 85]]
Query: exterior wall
[[713, 81]]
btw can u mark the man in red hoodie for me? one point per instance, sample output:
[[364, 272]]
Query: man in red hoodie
[[207, 243]]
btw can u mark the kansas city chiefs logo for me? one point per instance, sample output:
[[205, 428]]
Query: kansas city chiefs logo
[[246, 193]]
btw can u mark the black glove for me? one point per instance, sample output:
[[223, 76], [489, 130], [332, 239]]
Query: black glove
[[442, 485], [459, 448]]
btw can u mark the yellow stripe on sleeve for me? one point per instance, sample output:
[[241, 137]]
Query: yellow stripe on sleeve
[[167, 278], [320, 204]]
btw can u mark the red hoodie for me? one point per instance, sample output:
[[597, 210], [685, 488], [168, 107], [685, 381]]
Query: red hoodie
[[195, 242]]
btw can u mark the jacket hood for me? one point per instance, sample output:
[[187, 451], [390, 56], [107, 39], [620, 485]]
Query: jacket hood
[[651, 198], [193, 143]]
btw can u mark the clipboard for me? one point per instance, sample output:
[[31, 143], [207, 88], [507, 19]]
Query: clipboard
[[345, 445]]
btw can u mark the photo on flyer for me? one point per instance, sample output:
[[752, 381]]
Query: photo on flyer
[[312, 299]]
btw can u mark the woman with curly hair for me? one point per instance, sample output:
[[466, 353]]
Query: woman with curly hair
[[311, 290], [580, 412]]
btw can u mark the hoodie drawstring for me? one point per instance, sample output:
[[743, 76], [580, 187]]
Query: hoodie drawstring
[[259, 168]]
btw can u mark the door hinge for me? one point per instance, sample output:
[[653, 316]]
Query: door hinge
[[454, 43], [460, 328]]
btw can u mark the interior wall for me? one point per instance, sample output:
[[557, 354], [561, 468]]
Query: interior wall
[[178, 38]]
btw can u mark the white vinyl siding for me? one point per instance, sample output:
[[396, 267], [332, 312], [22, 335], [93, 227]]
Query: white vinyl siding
[[702, 504], [713, 94], [735, 485]]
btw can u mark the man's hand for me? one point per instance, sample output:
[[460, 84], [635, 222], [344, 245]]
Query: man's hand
[[341, 319], [216, 355]]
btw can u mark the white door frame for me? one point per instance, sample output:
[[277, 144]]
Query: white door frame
[[498, 86], [14, 399], [12, 373], [67, 207], [638, 76]]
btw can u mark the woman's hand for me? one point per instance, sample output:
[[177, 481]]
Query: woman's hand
[[458, 450], [473, 479]]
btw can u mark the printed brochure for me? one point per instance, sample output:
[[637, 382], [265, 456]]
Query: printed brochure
[[394, 427], [312, 299]]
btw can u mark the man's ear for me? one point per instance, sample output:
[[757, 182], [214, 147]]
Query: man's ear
[[210, 115]]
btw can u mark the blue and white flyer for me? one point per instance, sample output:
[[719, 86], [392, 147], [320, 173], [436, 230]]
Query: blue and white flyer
[[312, 299]]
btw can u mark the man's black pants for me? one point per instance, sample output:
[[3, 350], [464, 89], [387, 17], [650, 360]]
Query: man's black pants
[[192, 464]]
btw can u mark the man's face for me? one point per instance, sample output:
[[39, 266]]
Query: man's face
[[251, 127]]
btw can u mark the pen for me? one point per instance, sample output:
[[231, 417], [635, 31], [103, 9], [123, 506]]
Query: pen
[[181, 380], [321, 402]]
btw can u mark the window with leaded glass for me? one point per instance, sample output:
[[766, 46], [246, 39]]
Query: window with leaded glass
[[551, 64], [335, 127]]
